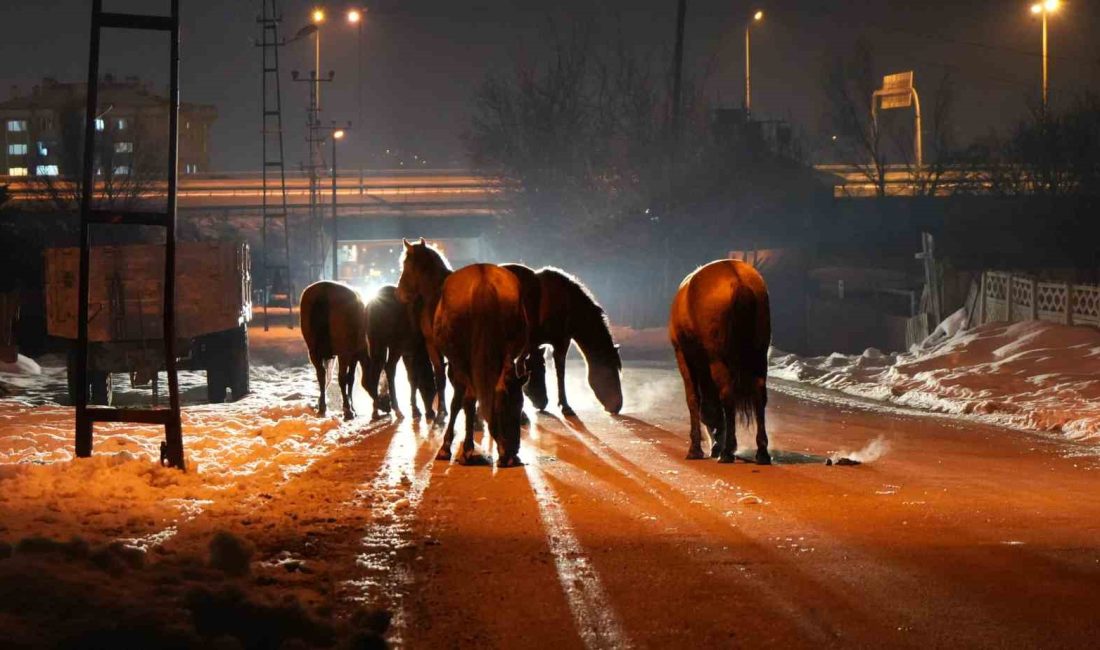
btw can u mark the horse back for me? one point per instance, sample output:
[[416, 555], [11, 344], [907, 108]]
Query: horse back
[[723, 308], [333, 320]]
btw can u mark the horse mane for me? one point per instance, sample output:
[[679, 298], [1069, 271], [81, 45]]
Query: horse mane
[[592, 317], [431, 250]]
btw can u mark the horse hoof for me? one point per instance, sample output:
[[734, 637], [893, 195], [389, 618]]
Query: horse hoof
[[398, 414], [510, 461], [416, 414], [523, 419], [763, 458], [695, 453], [444, 454], [726, 458], [430, 415], [568, 412], [473, 459], [349, 415], [715, 451], [379, 416]]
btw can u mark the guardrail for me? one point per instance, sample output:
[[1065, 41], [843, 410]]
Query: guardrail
[[1008, 297]]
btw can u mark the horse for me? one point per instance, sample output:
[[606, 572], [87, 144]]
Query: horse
[[568, 312], [334, 324], [393, 332], [720, 329], [423, 272], [480, 325]]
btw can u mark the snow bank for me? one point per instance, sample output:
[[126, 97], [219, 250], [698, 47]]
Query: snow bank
[[1034, 375], [21, 366]]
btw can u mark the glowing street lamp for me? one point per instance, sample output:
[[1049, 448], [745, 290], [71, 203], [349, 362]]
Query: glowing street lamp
[[355, 17], [317, 16], [1043, 9], [756, 17]]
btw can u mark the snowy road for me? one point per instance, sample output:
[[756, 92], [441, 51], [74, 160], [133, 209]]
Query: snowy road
[[959, 534]]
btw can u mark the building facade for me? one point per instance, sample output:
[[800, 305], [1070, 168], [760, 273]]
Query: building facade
[[43, 131]]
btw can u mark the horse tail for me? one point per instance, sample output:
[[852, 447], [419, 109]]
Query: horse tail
[[487, 360], [320, 326], [747, 362]]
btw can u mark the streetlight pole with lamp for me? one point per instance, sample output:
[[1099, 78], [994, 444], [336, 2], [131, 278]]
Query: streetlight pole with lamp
[[756, 17], [1043, 9], [355, 17]]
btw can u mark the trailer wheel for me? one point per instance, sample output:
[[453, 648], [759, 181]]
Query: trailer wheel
[[237, 365]]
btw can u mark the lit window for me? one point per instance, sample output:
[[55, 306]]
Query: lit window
[[124, 147], [43, 150], [122, 170], [122, 121], [17, 126], [17, 149], [100, 124], [17, 171], [45, 170]]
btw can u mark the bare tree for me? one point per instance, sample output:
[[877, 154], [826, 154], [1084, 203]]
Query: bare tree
[[850, 83]]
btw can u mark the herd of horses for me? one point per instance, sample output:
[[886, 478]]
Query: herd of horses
[[483, 328]]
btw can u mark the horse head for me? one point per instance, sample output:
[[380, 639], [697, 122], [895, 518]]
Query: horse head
[[422, 271], [605, 378], [535, 388]]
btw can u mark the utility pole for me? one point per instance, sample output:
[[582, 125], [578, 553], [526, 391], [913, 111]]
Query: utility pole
[[316, 161], [678, 67]]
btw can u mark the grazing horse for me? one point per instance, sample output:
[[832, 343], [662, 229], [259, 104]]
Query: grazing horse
[[423, 272], [481, 327], [568, 312], [720, 327], [334, 324], [393, 331]]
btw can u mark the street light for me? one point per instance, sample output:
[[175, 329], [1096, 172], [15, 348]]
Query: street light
[[1043, 9], [355, 17], [318, 17], [756, 17], [337, 135]]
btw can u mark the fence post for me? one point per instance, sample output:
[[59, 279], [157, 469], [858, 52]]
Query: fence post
[[1034, 298], [1008, 296], [1069, 303]]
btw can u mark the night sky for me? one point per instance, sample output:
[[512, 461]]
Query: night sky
[[423, 59]]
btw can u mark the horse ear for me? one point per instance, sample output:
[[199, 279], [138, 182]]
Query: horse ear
[[617, 346], [406, 243], [422, 242]]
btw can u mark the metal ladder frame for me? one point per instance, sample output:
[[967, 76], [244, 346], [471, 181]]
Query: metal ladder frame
[[171, 451], [270, 43]]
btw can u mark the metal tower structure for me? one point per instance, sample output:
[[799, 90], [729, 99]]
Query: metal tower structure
[[275, 237], [171, 450]]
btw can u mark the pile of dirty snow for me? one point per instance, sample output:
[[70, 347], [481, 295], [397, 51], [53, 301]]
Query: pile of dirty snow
[[1034, 375]]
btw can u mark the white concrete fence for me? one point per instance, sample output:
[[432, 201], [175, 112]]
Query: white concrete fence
[[1006, 297]]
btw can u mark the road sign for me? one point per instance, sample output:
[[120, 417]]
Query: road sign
[[897, 100], [902, 82]]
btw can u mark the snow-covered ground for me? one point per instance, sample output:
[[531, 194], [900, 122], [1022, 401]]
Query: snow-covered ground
[[1033, 375]]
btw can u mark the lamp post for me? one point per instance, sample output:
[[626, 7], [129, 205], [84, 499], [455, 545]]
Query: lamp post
[[756, 17], [1043, 9], [355, 17], [338, 133], [317, 16]]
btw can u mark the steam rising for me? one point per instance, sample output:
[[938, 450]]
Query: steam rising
[[871, 452]]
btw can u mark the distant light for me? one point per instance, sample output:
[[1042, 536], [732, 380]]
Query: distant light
[[760, 14], [1051, 5], [354, 16], [339, 133], [1036, 9], [318, 15], [834, 138]]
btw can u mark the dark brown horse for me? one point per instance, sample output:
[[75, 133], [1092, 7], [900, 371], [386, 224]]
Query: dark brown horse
[[568, 312], [393, 331], [481, 327], [334, 324], [720, 327], [423, 272]]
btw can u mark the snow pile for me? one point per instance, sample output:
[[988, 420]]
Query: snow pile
[[21, 366], [1033, 375]]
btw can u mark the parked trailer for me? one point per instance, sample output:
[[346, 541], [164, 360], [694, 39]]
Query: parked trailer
[[213, 309]]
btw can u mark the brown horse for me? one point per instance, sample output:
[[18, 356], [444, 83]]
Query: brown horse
[[568, 312], [334, 324], [393, 331], [423, 272], [481, 327], [720, 327]]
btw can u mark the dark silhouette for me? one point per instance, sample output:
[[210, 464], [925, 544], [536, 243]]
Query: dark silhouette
[[481, 327], [393, 331], [568, 312], [423, 271], [720, 327], [334, 324]]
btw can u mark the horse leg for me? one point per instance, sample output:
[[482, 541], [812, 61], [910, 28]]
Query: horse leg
[[469, 406], [346, 379], [724, 382], [391, 371], [414, 383], [440, 381], [449, 435], [759, 404], [695, 448], [559, 367], [321, 366]]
